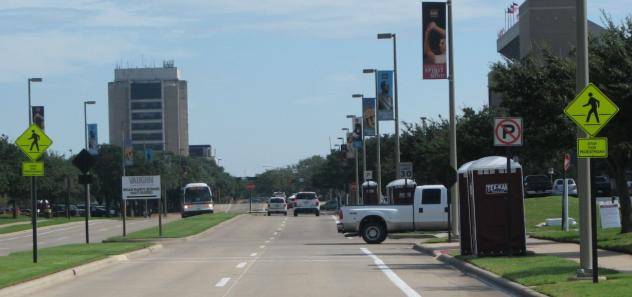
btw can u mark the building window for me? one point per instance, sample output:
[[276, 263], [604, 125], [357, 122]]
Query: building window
[[153, 146], [141, 91], [146, 105], [147, 126], [146, 136], [146, 115]]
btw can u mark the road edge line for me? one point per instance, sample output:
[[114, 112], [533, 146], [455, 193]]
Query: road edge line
[[479, 273], [30, 287], [391, 275]]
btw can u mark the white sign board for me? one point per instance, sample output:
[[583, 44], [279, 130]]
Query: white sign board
[[508, 132], [141, 187], [368, 175], [406, 170], [610, 216]]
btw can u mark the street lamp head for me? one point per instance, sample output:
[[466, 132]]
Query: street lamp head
[[350, 116], [90, 102], [357, 96], [345, 129], [341, 138], [368, 70], [385, 35], [35, 79]]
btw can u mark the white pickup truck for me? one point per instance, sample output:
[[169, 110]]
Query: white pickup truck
[[373, 222]]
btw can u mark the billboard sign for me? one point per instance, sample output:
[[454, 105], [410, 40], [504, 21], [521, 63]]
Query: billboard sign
[[434, 40], [141, 187], [384, 87], [368, 115]]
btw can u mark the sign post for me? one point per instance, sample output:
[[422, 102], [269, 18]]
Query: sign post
[[250, 187], [567, 164], [85, 161], [508, 132], [591, 110], [143, 188], [33, 143]]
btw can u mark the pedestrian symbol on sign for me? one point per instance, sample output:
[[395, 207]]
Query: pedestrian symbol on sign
[[594, 105], [35, 142]]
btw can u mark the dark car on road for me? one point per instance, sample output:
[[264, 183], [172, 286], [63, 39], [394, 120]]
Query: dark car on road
[[537, 185]]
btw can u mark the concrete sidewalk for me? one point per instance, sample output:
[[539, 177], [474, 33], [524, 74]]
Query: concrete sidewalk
[[607, 259]]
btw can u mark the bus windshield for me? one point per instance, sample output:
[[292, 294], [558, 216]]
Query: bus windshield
[[197, 195]]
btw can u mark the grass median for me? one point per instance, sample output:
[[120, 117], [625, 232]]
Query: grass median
[[178, 229], [8, 219], [19, 267], [550, 275], [40, 223]]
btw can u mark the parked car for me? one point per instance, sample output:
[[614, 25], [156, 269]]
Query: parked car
[[98, 211], [291, 201], [558, 187], [602, 186], [537, 185], [307, 202], [374, 222], [277, 205], [330, 205], [59, 210]]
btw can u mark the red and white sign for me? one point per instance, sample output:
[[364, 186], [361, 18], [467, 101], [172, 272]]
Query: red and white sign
[[567, 161], [250, 187], [508, 132]]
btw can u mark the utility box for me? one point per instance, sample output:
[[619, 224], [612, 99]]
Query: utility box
[[370, 193], [401, 191], [495, 205]]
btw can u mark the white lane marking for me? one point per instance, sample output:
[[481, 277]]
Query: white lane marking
[[350, 238], [267, 241], [253, 255], [223, 282], [408, 291], [242, 265], [262, 246], [276, 233], [279, 229], [271, 238]]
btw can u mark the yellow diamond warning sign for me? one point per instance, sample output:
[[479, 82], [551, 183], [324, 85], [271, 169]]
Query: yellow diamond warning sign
[[33, 142], [591, 110]]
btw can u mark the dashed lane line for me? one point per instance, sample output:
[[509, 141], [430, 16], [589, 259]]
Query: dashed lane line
[[223, 282]]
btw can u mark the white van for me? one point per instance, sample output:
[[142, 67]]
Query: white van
[[197, 198]]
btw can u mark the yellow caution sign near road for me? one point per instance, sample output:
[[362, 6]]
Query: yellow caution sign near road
[[33, 142], [592, 147], [591, 110]]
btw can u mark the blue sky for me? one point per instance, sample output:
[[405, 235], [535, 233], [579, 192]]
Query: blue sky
[[269, 80]]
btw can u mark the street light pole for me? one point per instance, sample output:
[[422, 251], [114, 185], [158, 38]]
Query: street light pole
[[363, 142], [33, 183], [397, 151], [87, 185], [355, 150], [454, 192]]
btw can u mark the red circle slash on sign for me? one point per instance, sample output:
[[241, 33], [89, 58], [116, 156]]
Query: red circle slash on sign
[[506, 136]]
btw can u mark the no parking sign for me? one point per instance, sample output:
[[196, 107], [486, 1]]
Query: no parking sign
[[508, 132]]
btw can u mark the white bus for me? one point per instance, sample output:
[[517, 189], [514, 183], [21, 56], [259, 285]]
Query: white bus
[[197, 199]]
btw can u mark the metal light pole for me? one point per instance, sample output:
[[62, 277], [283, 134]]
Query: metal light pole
[[363, 142], [377, 133], [397, 152], [87, 185], [355, 150], [454, 192], [33, 183], [583, 165]]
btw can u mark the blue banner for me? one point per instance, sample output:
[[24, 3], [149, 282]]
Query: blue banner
[[93, 139], [368, 115], [384, 91], [128, 157], [357, 133]]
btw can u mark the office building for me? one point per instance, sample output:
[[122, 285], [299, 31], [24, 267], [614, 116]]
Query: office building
[[149, 107]]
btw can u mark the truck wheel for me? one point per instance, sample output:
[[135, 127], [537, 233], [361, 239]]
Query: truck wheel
[[295, 213], [317, 213], [268, 213], [373, 233]]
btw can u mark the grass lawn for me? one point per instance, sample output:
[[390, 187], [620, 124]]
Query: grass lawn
[[550, 274], [43, 223], [180, 228], [19, 267], [538, 209], [8, 219]]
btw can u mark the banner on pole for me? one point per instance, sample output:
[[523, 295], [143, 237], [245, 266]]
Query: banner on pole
[[384, 87], [434, 40], [357, 133], [37, 112], [368, 115], [93, 139]]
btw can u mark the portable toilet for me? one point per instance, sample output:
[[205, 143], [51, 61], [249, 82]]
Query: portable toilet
[[496, 202], [464, 209], [401, 191], [370, 193]]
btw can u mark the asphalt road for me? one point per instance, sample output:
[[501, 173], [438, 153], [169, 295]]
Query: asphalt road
[[100, 229], [256, 255]]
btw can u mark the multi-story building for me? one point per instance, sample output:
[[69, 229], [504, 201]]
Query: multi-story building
[[538, 25], [149, 106]]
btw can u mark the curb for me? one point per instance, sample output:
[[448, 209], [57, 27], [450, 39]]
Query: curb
[[484, 275], [30, 287]]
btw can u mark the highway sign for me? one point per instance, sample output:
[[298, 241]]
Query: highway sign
[[592, 147], [141, 187], [591, 110], [33, 169], [508, 132], [84, 161], [406, 170], [33, 142], [368, 175]]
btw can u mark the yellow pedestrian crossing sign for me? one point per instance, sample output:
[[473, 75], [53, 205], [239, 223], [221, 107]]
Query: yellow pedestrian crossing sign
[[591, 110], [33, 142]]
